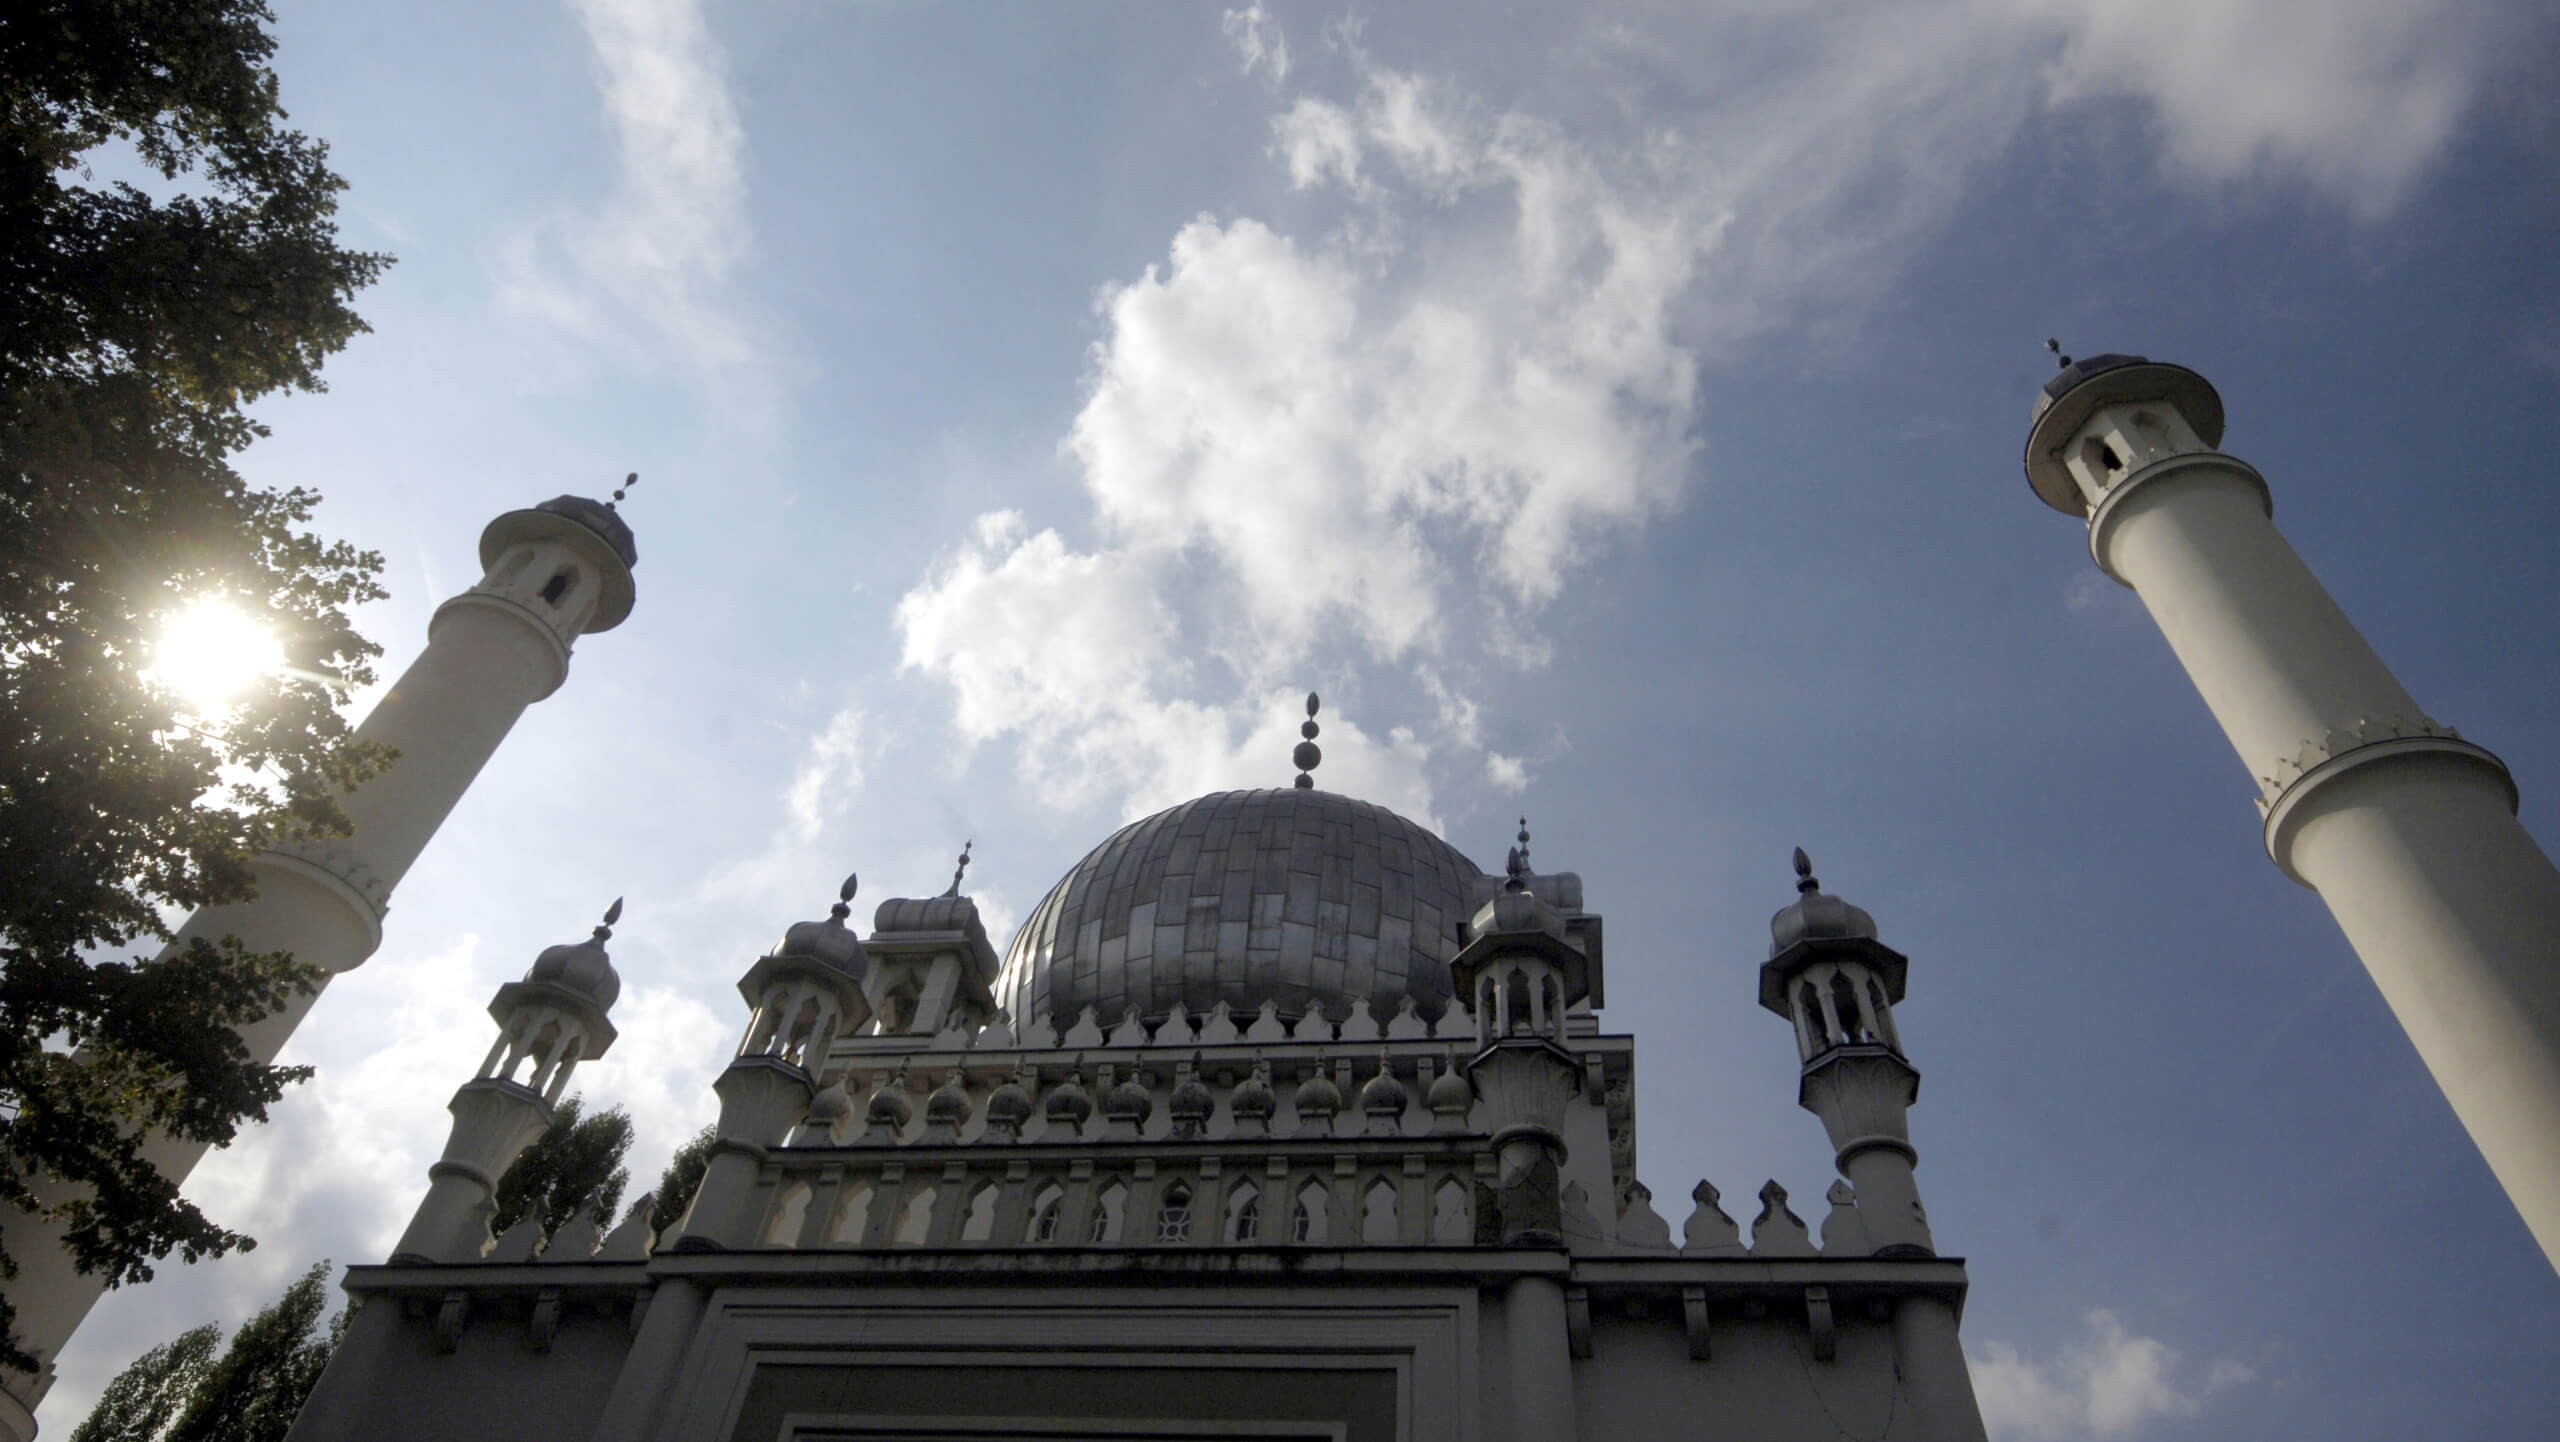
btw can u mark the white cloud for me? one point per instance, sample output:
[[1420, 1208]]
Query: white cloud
[[1259, 44], [822, 787], [2104, 1386], [1391, 439], [2357, 97], [1281, 437], [661, 248]]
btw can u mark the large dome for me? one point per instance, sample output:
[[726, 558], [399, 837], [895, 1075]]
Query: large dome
[[1300, 897]]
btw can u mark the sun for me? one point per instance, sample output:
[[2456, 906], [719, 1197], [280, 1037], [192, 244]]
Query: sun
[[210, 651]]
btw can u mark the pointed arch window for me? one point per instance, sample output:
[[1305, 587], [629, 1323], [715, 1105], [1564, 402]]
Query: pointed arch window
[[1244, 1213], [1450, 1224], [1045, 1212], [980, 1223], [853, 1216], [1378, 1213], [1173, 1217], [915, 1220], [1110, 1205], [1308, 1221]]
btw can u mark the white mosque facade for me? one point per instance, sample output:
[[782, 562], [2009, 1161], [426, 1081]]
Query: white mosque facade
[[1280, 1119]]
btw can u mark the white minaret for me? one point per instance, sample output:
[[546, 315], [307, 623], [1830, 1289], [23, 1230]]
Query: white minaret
[[2406, 830], [551, 574]]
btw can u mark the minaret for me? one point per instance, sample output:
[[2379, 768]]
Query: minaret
[[2408, 832], [1829, 975], [547, 1024], [551, 574]]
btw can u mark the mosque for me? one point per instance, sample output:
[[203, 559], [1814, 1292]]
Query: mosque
[[1280, 1117]]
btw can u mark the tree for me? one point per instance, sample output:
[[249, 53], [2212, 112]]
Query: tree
[[135, 330], [681, 1180], [144, 1399], [175, 1393], [576, 1161]]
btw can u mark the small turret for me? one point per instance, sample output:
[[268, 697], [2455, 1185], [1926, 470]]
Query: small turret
[[1829, 975], [547, 1023], [1523, 972], [805, 993]]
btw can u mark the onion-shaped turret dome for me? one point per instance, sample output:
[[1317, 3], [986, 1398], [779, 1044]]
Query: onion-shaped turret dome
[[583, 966], [1816, 915], [828, 940], [1308, 899]]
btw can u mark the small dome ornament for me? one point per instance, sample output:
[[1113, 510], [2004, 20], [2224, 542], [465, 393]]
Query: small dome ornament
[[1191, 1102], [1128, 1104], [1450, 1098], [1253, 1102], [829, 1110], [948, 1109], [1516, 863], [1070, 1104], [583, 966], [1009, 1106], [829, 941], [1817, 915], [890, 1108], [1317, 1100], [1308, 755], [1382, 1099], [962, 869]]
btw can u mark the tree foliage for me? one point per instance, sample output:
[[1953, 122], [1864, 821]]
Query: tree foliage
[[576, 1161], [178, 1392], [136, 328], [145, 1398], [681, 1180]]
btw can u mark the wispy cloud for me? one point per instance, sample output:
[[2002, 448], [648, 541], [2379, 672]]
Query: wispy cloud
[[1260, 46], [2105, 1385], [651, 265], [1392, 441]]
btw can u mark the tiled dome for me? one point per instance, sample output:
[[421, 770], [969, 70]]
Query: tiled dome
[[1304, 898]]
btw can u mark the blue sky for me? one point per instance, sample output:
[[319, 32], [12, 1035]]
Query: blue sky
[[1616, 415]]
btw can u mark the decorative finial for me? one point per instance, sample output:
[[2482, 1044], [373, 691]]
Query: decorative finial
[[844, 897], [612, 914], [1517, 864], [2061, 361], [622, 490], [1805, 880], [963, 870], [1307, 755]]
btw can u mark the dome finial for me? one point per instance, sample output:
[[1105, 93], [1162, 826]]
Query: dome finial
[[1517, 864], [844, 896], [612, 914], [962, 870], [1308, 755], [1806, 882], [2061, 361], [622, 490]]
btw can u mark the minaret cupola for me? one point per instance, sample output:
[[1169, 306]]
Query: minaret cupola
[[808, 990], [1828, 974]]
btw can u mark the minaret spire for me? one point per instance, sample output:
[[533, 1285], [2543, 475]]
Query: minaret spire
[[1308, 755]]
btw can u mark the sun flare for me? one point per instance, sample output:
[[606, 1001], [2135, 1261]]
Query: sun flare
[[211, 650]]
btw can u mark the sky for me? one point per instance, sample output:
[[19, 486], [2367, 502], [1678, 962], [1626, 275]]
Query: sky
[[1614, 412]]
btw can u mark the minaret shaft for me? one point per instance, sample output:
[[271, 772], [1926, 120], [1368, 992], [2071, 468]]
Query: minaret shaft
[[2407, 832]]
